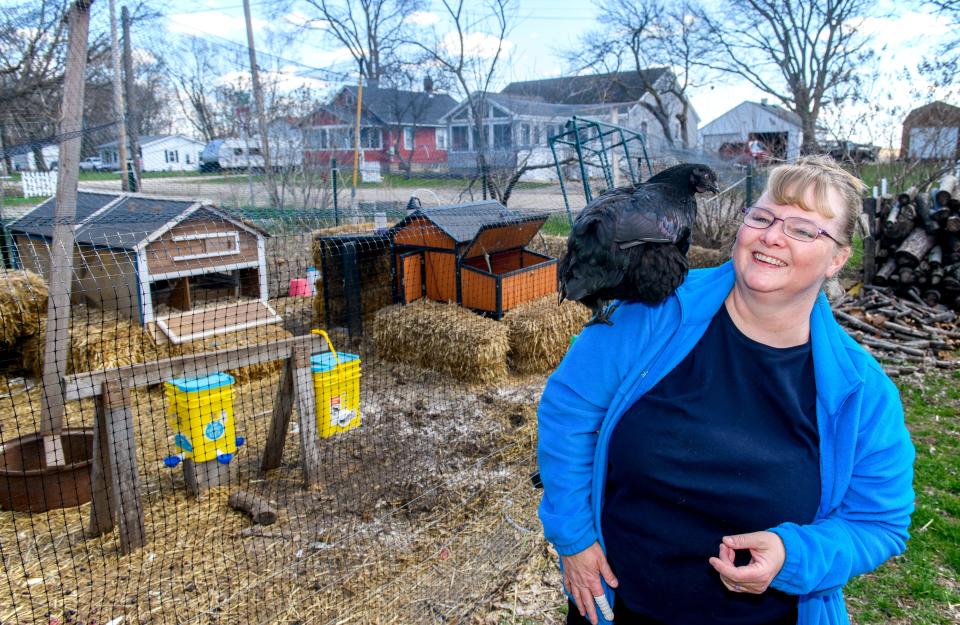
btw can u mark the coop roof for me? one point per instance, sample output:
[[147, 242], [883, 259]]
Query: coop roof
[[464, 222], [122, 221]]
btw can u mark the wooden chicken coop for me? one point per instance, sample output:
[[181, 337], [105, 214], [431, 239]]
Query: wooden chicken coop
[[473, 254], [183, 267]]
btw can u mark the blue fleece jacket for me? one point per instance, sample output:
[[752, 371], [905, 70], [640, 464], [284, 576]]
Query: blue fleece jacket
[[866, 456]]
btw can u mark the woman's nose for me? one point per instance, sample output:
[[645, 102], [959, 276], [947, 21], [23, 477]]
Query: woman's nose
[[773, 236]]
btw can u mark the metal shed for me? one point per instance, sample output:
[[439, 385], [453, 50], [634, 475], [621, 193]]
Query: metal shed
[[473, 254], [149, 257]]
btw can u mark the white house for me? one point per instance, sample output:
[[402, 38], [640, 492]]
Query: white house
[[22, 157], [158, 153], [779, 129]]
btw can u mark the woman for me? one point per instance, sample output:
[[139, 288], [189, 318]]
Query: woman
[[729, 455]]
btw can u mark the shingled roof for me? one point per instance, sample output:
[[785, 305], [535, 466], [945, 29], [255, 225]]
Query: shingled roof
[[397, 106], [462, 222], [589, 89], [118, 221]]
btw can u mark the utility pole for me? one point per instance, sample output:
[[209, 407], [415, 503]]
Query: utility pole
[[61, 251], [261, 114], [118, 97], [132, 118]]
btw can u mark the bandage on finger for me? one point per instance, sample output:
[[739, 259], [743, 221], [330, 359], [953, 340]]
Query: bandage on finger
[[604, 606]]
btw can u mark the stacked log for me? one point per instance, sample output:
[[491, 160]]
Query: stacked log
[[913, 245], [905, 336]]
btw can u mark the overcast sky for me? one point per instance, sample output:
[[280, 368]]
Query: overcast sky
[[543, 28]]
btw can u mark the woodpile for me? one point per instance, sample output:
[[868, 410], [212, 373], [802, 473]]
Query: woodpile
[[914, 244], [905, 335]]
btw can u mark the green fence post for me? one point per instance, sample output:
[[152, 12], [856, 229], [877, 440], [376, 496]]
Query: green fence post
[[333, 175], [749, 185]]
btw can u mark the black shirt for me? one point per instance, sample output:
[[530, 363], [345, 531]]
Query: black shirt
[[725, 444]]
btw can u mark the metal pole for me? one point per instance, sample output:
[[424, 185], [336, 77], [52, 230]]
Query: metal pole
[[61, 252], [132, 119], [334, 173], [261, 114], [118, 97]]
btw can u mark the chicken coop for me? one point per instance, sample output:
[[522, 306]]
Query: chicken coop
[[184, 268], [473, 254]]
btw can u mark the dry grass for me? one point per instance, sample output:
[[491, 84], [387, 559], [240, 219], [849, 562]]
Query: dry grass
[[540, 333], [23, 303], [443, 337]]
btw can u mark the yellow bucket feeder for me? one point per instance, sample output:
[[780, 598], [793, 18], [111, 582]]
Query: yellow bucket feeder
[[336, 384], [200, 412]]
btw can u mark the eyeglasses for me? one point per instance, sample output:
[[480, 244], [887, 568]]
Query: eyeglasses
[[796, 228]]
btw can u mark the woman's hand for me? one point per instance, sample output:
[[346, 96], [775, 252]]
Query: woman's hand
[[766, 559], [581, 578]]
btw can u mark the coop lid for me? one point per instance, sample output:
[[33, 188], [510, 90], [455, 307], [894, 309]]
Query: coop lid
[[198, 324], [505, 236], [326, 361], [205, 383]]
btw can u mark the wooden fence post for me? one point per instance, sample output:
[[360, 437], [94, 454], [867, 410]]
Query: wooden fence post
[[307, 410], [122, 449]]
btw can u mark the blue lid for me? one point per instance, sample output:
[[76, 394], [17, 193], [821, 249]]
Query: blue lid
[[207, 382], [326, 362]]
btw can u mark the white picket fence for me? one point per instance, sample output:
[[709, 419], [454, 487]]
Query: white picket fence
[[36, 184]]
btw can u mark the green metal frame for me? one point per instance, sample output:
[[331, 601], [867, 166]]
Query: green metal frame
[[592, 138]]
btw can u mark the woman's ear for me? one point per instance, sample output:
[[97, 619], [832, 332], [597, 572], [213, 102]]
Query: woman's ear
[[840, 258]]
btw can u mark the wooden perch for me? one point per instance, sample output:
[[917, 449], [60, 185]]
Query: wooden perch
[[258, 508]]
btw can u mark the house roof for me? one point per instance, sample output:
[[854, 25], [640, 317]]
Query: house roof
[[397, 106], [114, 220], [147, 140], [522, 105], [937, 113], [463, 222], [589, 89], [777, 111], [788, 116], [26, 148]]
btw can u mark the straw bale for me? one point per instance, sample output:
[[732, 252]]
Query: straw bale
[[250, 336], [699, 257], [23, 302], [443, 337], [540, 333], [97, 341], [549, 244]]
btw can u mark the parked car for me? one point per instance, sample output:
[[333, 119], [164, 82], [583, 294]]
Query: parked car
[[744, 152], [92, 163], [852, 152], [231, 155]]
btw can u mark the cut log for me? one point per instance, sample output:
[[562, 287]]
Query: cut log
[[914, 248], [885, 272], [257, 508]]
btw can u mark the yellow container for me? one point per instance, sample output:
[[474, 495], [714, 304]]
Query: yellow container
[[200, 411], [336, 384]]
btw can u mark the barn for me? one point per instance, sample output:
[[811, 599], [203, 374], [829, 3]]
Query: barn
[[779, 129], [931, 132], [184, 267]]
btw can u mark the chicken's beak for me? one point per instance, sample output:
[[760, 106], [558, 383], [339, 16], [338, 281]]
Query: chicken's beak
[[710, 187]]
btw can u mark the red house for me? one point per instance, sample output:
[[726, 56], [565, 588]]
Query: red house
[[399, 129]]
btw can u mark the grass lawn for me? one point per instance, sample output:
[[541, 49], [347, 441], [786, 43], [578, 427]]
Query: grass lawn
[[921, 587], [557, 224]]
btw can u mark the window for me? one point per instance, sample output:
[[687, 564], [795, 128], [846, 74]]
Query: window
[[441, 138], [643, 128], [536, 135], [254, 151], [370, 138], [502, 138], [171, 156], [238, 151], [524, 134], [498, 112], [407, 138], [476, 138], [459, 138]]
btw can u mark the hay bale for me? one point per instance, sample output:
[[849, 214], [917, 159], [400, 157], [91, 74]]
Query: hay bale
[[443, 337], [250, 336], [549, 244], [540, 332], [97, 341], [700, 257], [23, 303]]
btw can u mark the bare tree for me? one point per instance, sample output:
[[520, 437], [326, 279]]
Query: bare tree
[[637, 36], [372, 31], [806, 54], [193, 75], [470, 70]]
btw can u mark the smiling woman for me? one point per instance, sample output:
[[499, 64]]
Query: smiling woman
[[753, 495]]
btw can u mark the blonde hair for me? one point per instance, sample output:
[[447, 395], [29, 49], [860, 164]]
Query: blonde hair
[[790, 184]]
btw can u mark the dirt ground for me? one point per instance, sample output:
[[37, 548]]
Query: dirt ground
[[424, 514]]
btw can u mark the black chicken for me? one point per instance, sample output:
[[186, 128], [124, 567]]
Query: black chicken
[[631, 243]]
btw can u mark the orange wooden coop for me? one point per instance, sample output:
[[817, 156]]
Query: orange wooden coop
[[473, 254]]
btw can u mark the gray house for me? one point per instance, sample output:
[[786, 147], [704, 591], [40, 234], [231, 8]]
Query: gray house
[[519, 120], [779, 129]]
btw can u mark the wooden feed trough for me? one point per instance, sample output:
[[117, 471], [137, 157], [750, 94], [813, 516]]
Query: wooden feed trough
[[473, 254], [183, 267]]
